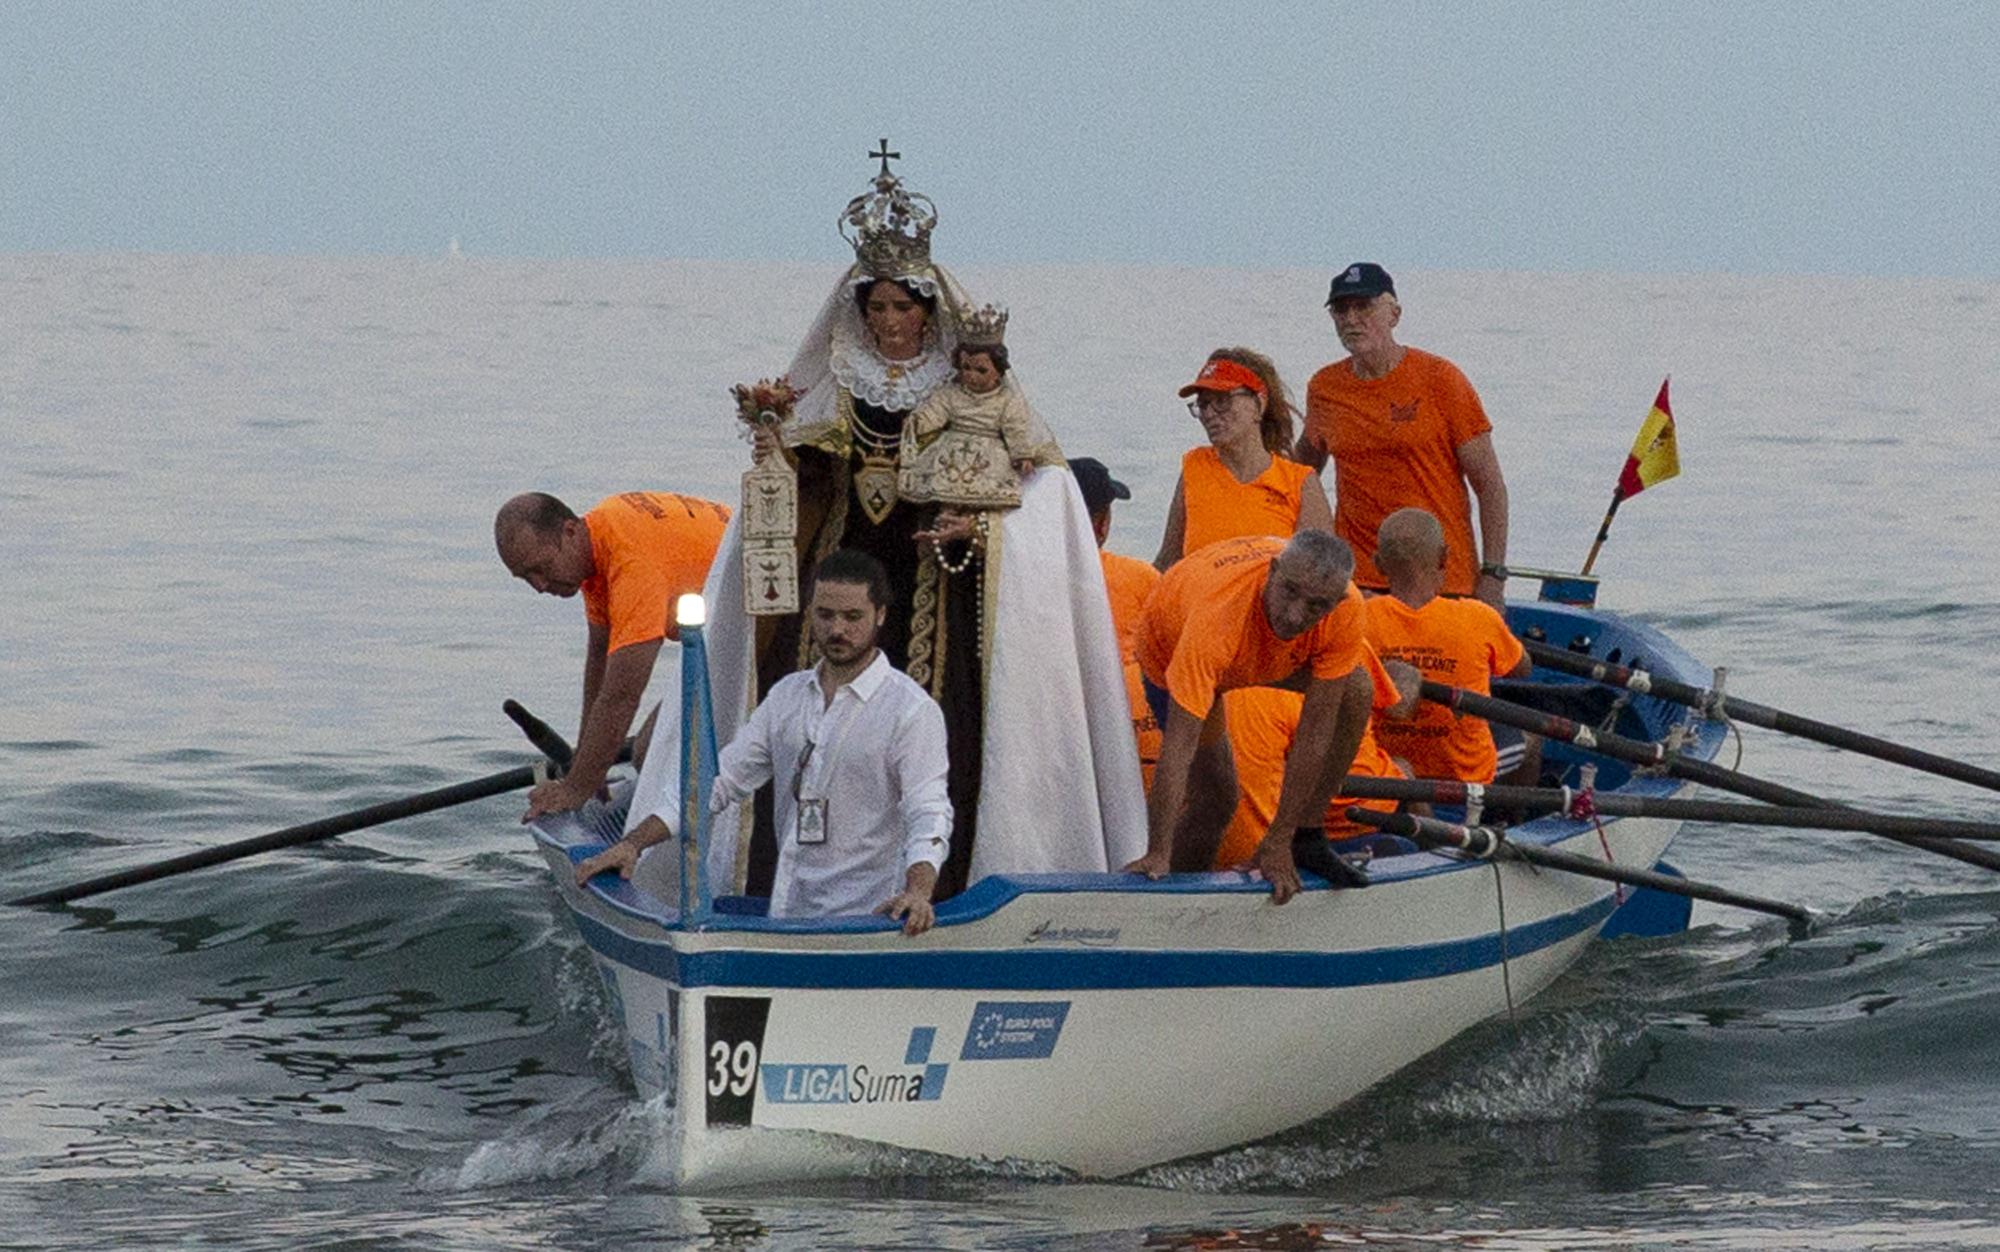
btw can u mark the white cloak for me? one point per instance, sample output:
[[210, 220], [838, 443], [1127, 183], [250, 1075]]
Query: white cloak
[[1060, 784]]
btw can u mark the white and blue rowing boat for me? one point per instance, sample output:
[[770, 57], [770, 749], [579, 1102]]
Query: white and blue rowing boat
[[1101, 1022]]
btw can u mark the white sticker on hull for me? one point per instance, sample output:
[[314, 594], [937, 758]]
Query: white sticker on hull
[[738, 1076], [817, 1082]]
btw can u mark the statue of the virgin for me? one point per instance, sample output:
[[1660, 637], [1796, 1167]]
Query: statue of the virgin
[[1006, 623]]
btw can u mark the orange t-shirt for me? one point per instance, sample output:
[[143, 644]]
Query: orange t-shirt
[[650, 548], [1205, 631], [1218, 507], [1394, 441], [1460, 642], [1262, 723], [1129, 581]]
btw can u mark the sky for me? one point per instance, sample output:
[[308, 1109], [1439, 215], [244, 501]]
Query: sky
[[1754, 138]]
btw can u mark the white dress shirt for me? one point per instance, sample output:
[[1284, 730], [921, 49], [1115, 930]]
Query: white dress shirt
[[878, 759]]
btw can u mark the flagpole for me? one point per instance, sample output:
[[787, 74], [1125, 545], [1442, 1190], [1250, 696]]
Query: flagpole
[[1604, 531]]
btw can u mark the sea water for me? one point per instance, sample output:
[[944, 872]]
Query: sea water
[[247, 579]]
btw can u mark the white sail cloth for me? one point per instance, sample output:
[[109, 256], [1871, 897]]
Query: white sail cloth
[[1060, 787]]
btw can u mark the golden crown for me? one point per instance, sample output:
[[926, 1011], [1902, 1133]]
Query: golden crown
[[889, 227], [983, 328]]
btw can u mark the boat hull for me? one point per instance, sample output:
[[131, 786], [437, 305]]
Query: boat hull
[[1084, 1021], [1099, 1022]]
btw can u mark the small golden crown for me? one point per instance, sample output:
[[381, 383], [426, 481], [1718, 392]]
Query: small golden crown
[[983, 328], [766, 400], [890, 228]]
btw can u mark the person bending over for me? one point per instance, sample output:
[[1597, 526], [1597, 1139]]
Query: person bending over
[[1263, 722], [1248, 612], [632, 556]]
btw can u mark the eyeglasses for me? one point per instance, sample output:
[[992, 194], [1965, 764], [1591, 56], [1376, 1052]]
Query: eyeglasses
[[1215, 399]]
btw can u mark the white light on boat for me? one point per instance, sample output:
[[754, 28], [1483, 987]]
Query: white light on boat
[[690, 611]]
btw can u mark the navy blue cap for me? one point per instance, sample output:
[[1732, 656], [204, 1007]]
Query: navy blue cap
[[1363, 278], [1098, 486]]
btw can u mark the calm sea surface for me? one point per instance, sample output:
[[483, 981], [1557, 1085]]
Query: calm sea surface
[[246, 579]]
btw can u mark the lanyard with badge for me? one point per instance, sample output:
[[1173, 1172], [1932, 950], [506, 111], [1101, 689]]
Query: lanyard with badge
[[811, 803]]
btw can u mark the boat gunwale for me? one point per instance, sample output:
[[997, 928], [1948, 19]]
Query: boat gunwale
[[985, 898]]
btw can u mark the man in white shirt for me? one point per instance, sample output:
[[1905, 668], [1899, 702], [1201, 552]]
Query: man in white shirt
[[856, 750]]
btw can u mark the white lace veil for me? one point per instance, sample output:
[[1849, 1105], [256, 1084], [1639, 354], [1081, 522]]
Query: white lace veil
[[839, 352]]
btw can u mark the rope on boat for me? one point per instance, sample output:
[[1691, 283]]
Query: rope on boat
[[1715, 702], [1581, 805], [1715, 707]]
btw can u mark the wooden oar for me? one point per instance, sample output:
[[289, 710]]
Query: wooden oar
[[292, 836], [1484, 841], [1612, 804], [327, 827], [544, 736], [1713, 705], [1637, 752]]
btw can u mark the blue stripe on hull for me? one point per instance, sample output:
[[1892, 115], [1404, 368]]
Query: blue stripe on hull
[[1043, 969]]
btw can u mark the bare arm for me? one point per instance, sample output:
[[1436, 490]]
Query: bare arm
[[1409, 690], [1306, 452], [605, 723], [623, 855], [1178, 740], [644, 739], [1481, 467], [912, 905], [1175, 537], [1314, 512], [1330, 727], [595, 650]]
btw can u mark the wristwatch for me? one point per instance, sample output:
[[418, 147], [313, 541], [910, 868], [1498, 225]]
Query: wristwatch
[[1493, 569]]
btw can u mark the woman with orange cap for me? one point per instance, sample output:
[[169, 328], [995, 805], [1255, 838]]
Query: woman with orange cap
[[1244, 482]]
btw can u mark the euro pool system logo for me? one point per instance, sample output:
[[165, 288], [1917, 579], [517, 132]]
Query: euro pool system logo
[[1014, 1030], [920, 1079]]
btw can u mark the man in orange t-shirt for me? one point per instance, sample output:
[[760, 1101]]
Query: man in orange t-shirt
[[632, 556], [1127, 581], [1463, 643], [1403, 427], [1251, 612], [1262, 724]]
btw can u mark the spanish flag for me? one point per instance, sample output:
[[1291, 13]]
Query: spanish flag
[[1654, 457]]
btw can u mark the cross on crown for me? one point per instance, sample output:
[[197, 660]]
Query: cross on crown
[[889, 227]]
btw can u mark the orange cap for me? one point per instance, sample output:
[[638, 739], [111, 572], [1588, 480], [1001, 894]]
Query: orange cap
[[1222, 374]]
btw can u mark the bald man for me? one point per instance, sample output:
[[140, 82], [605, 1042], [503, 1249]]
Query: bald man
[[632, 556], [1250, 612], [1459, 642]]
